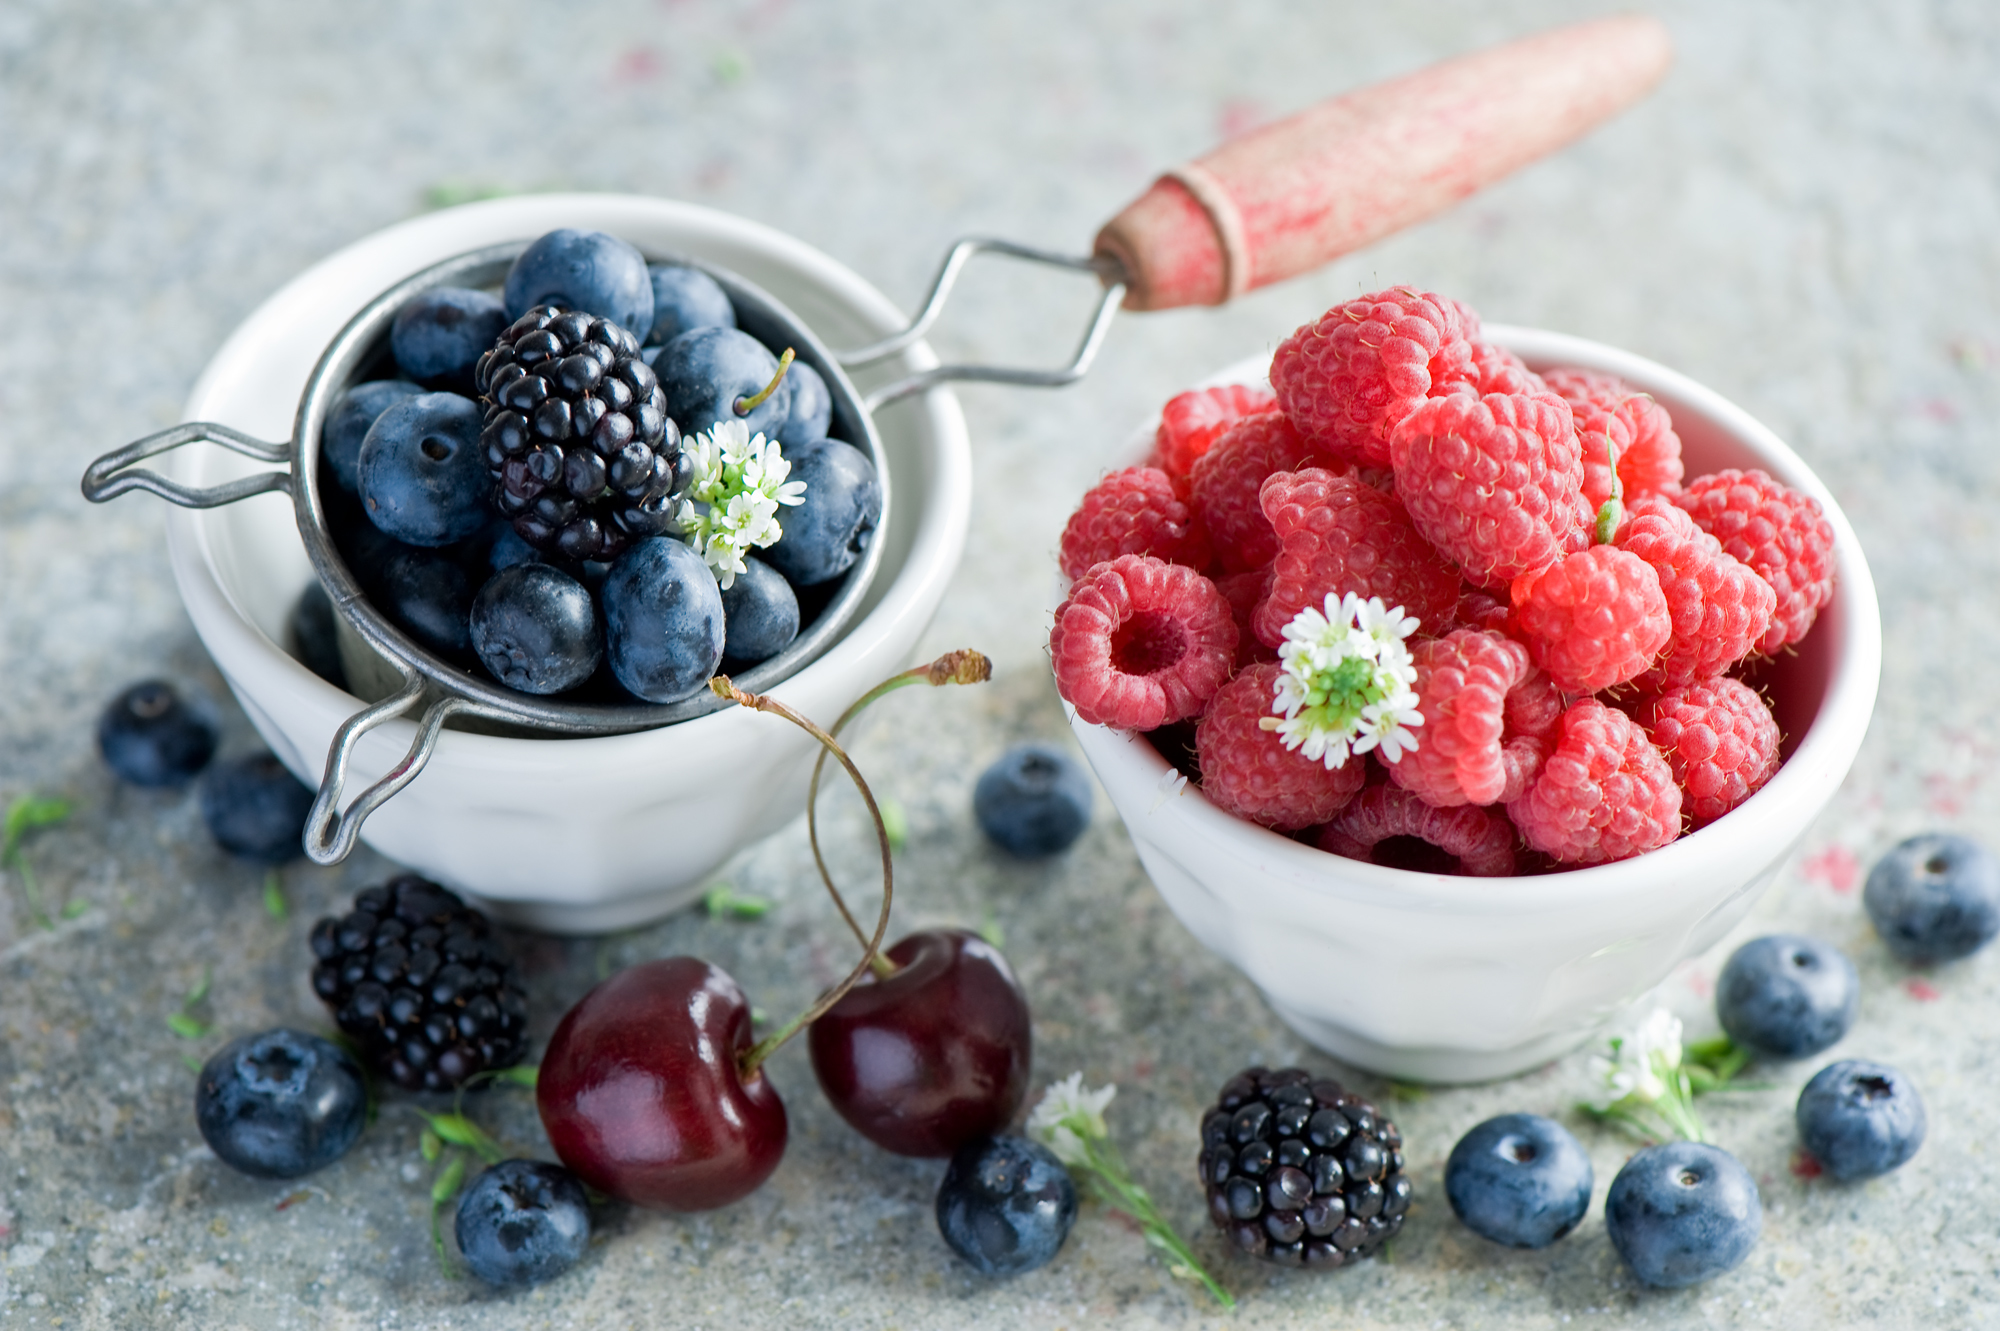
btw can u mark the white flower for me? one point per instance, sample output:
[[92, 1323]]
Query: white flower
[[1170, 784], [1068, 1116], [1347, 685], [731, 505], [1640, 1062]]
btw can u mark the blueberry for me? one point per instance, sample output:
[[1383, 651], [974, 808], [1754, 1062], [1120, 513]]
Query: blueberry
[[536, 629], [685, 298], [1006, 1205], [1034, 801], [508, 549], [347, 425], [423, 476], [439, 336], [827, 533], [583, 270], [150, 737], [1519, 1179], [812, 407], [663, 620], [256, 809], [1860, 1119], [523, 1222], [1935, 897], [705, 371], [429, 596], [1683, 1212], [760, 612], [280, 1104], [315, 635], [1787, 996]]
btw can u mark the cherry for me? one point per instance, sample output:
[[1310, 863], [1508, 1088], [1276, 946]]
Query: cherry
[[932, 1055], [643, 1095]]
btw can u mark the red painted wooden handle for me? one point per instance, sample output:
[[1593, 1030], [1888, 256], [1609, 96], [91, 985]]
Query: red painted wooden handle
[[1299, 193]]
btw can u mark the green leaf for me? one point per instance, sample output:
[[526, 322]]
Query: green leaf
[[895, 821], [524, 1074], [26, 814], [448, 1181], [429, 1145], [462, 1131], [722, 899], [193, 1063], [75, 908], [181, 1024], [990, 930], [452, 193], [275, 904], [200, 990]]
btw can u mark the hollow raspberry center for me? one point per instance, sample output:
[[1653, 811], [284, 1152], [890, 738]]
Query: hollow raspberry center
[[1150, 641]]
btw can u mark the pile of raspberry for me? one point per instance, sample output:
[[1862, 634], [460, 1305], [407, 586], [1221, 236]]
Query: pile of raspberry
[[1590, 622]]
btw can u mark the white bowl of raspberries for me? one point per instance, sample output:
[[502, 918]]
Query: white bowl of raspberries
[[1455, 683]]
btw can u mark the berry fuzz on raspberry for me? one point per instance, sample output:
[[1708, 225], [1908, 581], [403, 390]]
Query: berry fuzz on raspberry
[[1778, 532], [1191, 422], [1247, 770], [1719, 738], [1595, 620], [1225, 484], [1468, 755], [1300, 1172], [1350, 376], [1392, 827], [1604, 794], [1133, 512], [1141, 643], [1718, 605]]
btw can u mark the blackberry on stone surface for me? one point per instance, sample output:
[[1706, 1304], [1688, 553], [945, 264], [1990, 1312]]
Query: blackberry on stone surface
[[1301, 1172], [415, 977], [577, 435]]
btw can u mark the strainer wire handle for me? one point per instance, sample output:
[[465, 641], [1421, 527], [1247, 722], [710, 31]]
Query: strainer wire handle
[[103, 480], [330, 834]]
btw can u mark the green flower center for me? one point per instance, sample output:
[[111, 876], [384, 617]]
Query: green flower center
[[1335, 697]]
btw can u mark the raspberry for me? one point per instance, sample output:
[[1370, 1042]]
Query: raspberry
[[1141, 642], [1223, 487], [1604, 794], [1649, 452], [1244, 591], [1247, 770], [1719, 738], [1718, 605], [1191, 422], [1482, 610], [1595, 620], [1495, 483], [1133, 512], [1337, 535], [1350, 376], [1478, 843], [1778, 532], [1464, 754], [1495, 370]]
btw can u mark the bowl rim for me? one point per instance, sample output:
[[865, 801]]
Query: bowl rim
[[1814, 770]]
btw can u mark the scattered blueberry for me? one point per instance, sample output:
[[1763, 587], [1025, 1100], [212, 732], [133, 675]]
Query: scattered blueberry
[[439, 335], [705, 371], [151, 737], [1787, 996], [347, 425], [1683, 1212], [255, 808], [1034, 801], [423, 475], [536, 629], [280, 1104], [429, 596], [1519, 1179], [1860, 1119], [1935, 897], [827, 533], [663, 620], [1006, 1205], [685, 299], [812, 407], [315, 637], [760, 612], [523, 1222], [583, 270]]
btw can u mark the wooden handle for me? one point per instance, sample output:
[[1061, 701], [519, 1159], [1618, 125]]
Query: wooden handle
[[1299, 193]]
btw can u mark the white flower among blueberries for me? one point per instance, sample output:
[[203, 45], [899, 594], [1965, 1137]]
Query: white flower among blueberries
[[1347, 683], [1643, 1083], [731, 505]]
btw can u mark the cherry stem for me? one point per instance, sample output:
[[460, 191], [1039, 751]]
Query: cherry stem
[[963, 666], [753, 1057], [745, 405]]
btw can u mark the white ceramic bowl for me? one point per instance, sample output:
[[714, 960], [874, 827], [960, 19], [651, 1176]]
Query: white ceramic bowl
[[1433, 978], [570, 835]]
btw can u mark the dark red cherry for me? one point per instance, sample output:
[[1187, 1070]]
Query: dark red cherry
[[642, 1094], [934, 1055]]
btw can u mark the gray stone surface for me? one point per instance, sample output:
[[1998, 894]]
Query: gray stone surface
[[1802, 217]]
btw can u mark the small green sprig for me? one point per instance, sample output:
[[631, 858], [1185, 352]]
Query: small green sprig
[[1646, 1085], [183, 1021], [722, 901], [275, 904], [30, 813], [1069, 1120]]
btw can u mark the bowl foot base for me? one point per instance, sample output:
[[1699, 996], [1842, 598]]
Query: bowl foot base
[[586, 919], [1441, 1066]]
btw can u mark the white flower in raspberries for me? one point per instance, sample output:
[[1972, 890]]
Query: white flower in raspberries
[[1347, 683], [1068, 1118], [731, 504]]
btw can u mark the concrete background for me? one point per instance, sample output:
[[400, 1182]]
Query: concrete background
[[1803, 216]]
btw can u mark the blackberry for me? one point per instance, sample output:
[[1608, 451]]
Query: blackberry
[[1301, 1172], [415, 977], [577, 435]]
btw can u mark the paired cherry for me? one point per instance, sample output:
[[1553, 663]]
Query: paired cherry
[[932, 1055]]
